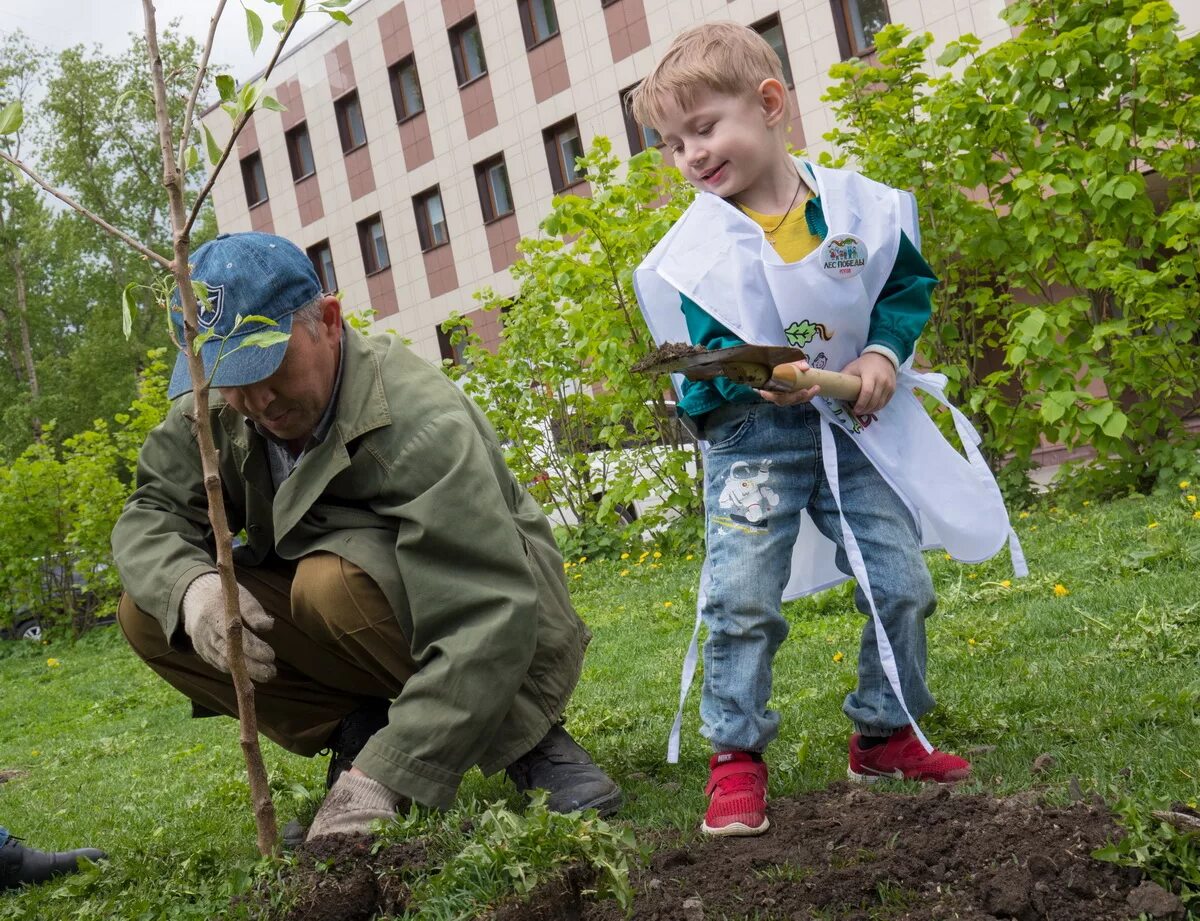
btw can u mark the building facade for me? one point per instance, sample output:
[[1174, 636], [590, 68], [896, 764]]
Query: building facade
[[420, 143]]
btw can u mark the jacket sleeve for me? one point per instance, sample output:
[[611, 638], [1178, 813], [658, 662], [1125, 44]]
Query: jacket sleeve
[[904, 305], [473, 602], [162, 540]]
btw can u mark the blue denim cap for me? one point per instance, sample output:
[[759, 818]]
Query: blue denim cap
[[246, 273]]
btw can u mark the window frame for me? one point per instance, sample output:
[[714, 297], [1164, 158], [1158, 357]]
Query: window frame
[[328, 283], [457, 34], [290, 138], [487, 192], [843, 21], [529, 22], [426, 228], [394, 81], [635, 132], [367, 244], [560, 180], [774, 21], [254, 176], [341, 106]]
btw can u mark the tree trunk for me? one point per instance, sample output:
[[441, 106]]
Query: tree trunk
[[23, 362]]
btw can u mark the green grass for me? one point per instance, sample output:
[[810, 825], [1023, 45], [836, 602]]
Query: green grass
[[1103, 678]]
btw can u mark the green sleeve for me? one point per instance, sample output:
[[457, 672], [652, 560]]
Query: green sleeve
[[702, 397], [904, 305]]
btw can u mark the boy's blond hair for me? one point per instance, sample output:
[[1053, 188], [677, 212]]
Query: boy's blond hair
[[724, 57]]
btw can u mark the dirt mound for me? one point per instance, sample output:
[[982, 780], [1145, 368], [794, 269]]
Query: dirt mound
[[844, 853]]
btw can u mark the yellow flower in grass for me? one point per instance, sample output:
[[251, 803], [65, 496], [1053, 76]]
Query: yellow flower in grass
[[1184, 484], [53, 663], [1006, 583], [578, 575], [583, 559], [624, 572], [837, 656], [624, 556], [1192, 499], [1061, 590], [1087, 502], [35, 753], [1196, 514], [1023, 515], [667, 604], [948, 556], [971, 575], [690, 556], [1152, 525], [971, 641]]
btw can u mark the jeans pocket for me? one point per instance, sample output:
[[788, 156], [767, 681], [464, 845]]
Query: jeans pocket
[[726, 425]]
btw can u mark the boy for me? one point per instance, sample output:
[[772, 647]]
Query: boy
[[776, 251]]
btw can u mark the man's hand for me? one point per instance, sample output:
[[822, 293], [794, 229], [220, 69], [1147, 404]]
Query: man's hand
[[204, 622], [791, 397], [353, 803], [878, 382]]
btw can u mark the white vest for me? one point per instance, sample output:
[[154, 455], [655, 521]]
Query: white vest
[[719, 258]]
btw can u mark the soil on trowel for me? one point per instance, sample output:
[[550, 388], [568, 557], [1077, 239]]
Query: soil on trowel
[[668, 352], [844, 853]]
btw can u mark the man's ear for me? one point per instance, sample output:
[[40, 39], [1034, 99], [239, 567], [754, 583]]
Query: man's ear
[[772, 96], [331, 314]]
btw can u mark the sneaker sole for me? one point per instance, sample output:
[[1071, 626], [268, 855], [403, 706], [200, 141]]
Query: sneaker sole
[[735, 829], [897, 775]]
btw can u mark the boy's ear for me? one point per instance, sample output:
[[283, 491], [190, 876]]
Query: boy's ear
[[773, 98]]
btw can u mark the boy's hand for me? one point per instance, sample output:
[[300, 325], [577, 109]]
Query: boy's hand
[[878, 382], [791, 397]]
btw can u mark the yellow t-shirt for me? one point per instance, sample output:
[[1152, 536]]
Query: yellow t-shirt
[[792, 240]]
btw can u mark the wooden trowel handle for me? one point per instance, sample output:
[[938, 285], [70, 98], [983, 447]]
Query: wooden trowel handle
[[832, 383]]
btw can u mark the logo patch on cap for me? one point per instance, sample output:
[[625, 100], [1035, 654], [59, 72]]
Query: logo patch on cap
[[210, 316]]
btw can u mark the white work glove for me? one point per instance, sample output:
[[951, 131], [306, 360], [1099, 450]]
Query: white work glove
[[204, 622], [353, 803]]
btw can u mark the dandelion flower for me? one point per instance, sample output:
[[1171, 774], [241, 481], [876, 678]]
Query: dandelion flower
[[1196, 514], [690, 556], [666, 604], [971, 575], [1061, 590], [948, 556], [1184, 484], [53, 663], [35, 753], [583, 559], [1023, 515], [1006, 583], [624, 572], [1087, 502], [657, 555], [1152, 525], [837, 656], [1192, 499], [971, 641], [624, 556], [578, 575]]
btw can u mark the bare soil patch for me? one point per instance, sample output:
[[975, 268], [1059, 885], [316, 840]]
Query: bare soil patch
[[844, 853]]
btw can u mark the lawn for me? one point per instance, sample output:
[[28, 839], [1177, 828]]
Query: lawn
[[1092, 660]]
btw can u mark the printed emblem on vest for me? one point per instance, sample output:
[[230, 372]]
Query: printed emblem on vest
[[843, 256], [803, 332]]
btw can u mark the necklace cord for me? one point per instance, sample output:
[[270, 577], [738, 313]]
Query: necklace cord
[[799, 184]]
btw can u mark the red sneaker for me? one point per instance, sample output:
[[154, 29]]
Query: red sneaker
[[903, 757], [737, 795]]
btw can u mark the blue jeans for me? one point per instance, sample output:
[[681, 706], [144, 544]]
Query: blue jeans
[[763, 470]]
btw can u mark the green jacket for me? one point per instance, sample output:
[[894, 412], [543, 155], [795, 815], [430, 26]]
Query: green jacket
[[410, 485]]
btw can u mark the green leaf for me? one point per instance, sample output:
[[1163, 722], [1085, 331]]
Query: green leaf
[[270, 102], [227, 87], [254, 28], [128, 305], [265, 339], [339, 16], [191, 159], [11, 117], [210, 143], [291, 9], [201, 337], [1115, 425]]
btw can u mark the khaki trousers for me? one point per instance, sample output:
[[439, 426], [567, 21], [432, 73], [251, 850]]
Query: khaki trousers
[[337, 644]]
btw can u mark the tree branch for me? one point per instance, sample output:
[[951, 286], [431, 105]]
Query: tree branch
[[237, 128], [96, 219], [200, 72]]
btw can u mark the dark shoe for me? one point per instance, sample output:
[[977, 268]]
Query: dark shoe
[[352, 733], [20, 864], [560, 766]]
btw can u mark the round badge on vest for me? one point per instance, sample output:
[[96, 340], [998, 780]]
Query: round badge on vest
[[843, 255]]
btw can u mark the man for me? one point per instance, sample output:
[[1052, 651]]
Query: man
[[21, 865], [403, 596]]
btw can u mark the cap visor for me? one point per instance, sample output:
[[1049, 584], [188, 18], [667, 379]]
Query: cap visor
[[235, 367]]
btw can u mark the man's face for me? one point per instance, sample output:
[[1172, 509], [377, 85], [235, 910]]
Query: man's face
[[290, 402], [722, 144]]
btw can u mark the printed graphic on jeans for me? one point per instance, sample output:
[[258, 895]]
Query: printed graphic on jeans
[[802, 332], [746, 495]]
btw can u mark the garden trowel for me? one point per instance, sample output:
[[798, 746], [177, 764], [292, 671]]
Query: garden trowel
[[766, 367]]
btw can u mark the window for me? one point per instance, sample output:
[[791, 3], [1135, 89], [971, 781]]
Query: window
[[771, 29], [300, 154], [321, 256], [538, 20], [431, 219], [350, 122], [373, 244], [406, 88], [466, 45], [562, 147], [857, 22], [452, 351], [254, 179], [495, 194], [640, 136]]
